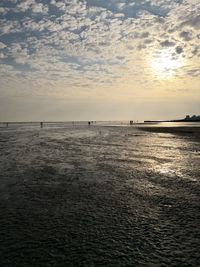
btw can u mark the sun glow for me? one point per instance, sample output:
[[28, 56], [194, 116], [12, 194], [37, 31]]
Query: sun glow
[[166, 63]]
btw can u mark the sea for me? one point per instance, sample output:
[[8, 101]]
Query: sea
[[108, 194]]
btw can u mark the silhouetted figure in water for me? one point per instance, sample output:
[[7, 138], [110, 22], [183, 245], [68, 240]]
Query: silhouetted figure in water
[[88, 123], [131, 122], [7, 124], [41, 124]]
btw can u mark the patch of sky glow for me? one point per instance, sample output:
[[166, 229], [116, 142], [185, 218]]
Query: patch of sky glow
[[166, 63]]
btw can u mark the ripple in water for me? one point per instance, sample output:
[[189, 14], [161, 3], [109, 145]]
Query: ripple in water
[[103, 196]]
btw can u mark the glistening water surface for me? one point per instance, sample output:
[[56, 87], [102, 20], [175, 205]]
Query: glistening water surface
[[98, 196]]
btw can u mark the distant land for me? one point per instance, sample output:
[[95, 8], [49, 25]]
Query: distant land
[[194, 118]]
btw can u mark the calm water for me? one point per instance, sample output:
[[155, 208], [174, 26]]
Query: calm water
[[98, 196], [69, 124]]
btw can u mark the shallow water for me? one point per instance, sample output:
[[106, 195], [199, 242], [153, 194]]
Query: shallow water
[[98, 196]]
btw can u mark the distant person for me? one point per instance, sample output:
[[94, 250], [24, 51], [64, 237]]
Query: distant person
[[88, 123], [41, 124]]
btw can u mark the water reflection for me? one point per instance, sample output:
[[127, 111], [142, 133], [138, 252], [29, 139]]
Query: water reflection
[[99, 193]]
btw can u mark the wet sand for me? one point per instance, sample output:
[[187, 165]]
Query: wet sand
[[190, 131], [98, 196]]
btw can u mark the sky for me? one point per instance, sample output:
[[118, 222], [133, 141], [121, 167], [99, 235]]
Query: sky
[[99, 59]]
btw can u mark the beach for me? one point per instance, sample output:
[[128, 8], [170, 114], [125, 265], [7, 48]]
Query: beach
[[99, 196], [182, 130]]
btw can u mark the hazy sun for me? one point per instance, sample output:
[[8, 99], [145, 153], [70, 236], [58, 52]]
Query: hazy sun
[[166, 63]]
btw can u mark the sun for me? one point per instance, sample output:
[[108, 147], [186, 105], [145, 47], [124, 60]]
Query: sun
[[166, 63]]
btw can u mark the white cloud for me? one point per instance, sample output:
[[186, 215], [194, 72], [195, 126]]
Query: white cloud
[[39, 8], [8, 27], [25, 5], [98, 42], [3, 10], [31, 5], [2, 45]]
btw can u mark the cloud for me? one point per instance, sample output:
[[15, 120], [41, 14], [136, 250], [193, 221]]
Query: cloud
[[39, 8], [167, 43], [193, 21], [23, 6], [95, 39], [3, 10], [186, 35], [9, 27], [194, 72], [179, 50], [30, 5], [2, 45]]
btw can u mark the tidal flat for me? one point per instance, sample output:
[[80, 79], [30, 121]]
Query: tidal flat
[[99, 196]]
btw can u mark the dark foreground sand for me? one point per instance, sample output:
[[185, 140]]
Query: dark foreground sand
[[190, 131], [99, 196]]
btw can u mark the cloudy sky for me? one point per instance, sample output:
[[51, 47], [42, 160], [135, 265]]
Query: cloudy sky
[[99, 59]]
